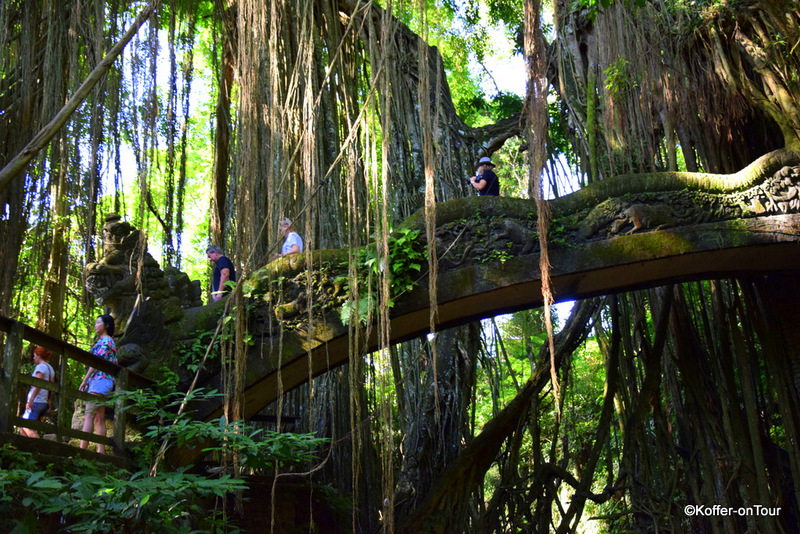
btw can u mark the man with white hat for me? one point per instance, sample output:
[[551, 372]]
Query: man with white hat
[[485, 180]]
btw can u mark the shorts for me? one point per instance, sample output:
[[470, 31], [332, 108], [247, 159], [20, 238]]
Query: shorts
[[38, 410], [100, 386]]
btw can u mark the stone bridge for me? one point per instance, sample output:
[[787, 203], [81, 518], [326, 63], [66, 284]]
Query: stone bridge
[[621, 234]]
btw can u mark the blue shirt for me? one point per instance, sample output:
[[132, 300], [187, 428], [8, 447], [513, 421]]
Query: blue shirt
[[492, 188], [222, 263]]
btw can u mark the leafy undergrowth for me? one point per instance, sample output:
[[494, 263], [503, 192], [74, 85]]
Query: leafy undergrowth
[[39, 494]]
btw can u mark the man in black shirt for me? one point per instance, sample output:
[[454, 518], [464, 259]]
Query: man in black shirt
[[485, 180], [223, 272]]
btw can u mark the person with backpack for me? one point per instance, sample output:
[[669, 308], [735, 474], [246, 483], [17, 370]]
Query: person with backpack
[[38, 402]]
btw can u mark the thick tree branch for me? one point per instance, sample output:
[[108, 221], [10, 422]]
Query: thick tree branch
[[550, 470], [463, 475], [484, 140], [40, 140]]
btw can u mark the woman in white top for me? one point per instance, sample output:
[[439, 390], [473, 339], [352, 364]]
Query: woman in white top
[[293, 243], [38, 397]]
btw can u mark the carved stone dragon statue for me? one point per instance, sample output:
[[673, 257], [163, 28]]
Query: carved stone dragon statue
[[143, 299]]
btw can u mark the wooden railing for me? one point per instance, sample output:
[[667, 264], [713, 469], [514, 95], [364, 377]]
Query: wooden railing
[[12, 379]]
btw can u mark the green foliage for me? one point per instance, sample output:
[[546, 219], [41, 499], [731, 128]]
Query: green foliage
[[595, 7], [261, 449], [406, 256], [83, 496], [201, 9], [508, 11], [257, 449], [522, 333], [468, 33], [360, 309], [557, 235], [405, 259], [619, 78], [506, 104], [481, 111], [497, 255], [195, 349], [156, 410]]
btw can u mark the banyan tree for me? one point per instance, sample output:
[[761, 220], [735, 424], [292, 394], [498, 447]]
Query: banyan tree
[[339, 115]]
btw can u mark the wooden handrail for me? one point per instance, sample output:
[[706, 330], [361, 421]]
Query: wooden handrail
[[72, 352], [44, 384], [11, 378], [47, 427]]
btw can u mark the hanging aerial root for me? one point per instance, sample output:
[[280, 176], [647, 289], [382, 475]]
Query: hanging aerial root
[[16, 165], [535, 114]]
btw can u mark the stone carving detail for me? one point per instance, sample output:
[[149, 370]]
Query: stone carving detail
[[656, 211], [285, 301], [481, 239], [644, 212], [115, 281], [142, 300]]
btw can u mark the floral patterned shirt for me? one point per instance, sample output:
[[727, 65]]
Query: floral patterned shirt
[[104, 348]]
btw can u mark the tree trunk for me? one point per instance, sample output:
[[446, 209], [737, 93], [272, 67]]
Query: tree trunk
[[51, 305], [21, 160], [222, 134], [438, 416], [442, 508]]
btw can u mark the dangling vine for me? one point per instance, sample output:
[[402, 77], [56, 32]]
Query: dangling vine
[[536, 133]]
